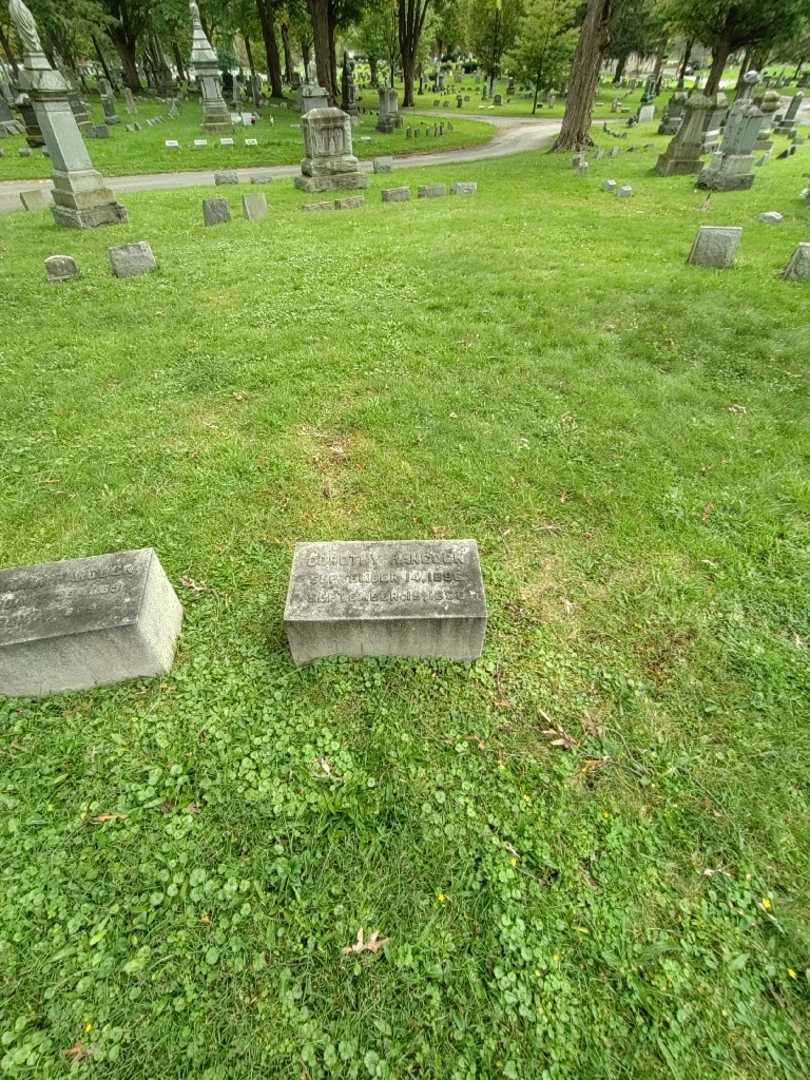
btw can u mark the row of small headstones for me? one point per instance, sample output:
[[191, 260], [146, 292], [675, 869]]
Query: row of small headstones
[[131, 260], [436, 130], [716, 246]]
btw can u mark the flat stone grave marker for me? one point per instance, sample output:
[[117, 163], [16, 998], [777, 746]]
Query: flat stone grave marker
[[715, 246], [351, 202], [131, 260], [463, 187], [318, 206], [225, 178], [261, 178], [383, 165], [396, 194], [35, 199], [61, 268], [200, 143], [172, 144], [86, 622], [386, 598], [798, 269], [215, 211], [25, 151], [771, 217], [226, 141], [624, 192], [609, 185], [431, 191], [646, 113], [251, 142], [254, 206]]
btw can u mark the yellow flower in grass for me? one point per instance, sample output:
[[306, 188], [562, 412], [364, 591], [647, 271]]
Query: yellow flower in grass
[[441, 898], [88, 1028], [792, 973], [765, 904]]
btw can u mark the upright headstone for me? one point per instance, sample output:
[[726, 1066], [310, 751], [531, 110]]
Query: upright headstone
[[254, 206], [86, 622], [347, 89], [768, 104], [787, 124], [59, 268], [798, 269], [673, 115], [80, 198], [132, 260], [204, 63], [33, 132], [313, 95], [386, 598], [646, 114], [216, 211], [328, 164], [685, 152], [715, 246], [129, 101], [111, 117], [731, 167], [388, 109], [715, 121]]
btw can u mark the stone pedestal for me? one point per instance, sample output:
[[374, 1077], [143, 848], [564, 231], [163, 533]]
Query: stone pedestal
[[81, 199], [313, 96], [684, 154], [388, 104], [216, 116], [731, 168], [673, 115], [786, 124], [329, 164], [768, 105]]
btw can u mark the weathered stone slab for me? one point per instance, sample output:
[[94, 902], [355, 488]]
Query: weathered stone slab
[[771, 217], [61, 267], [624, 192], [352, 202], [463, 187], [431, 191], [254, 206], [130, 260], [715, 246], [216, 211], [86, 622], [646, 113], [261, 178], [318, 206], [386, 598], [383, 165], [35, 199], [609, 185], [798, 269], [226, 178], [339, 182], [396, 194]]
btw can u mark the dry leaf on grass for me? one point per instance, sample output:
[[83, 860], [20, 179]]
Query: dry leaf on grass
[[102, 819], [192, 808], [373, 945], [558, 737], [79, 1052], [192, 585]]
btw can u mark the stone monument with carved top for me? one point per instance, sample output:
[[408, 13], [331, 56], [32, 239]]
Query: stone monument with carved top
[[329, 164], [216, 116], [81, 199]]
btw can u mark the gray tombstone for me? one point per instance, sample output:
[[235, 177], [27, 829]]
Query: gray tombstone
[[226, 178], [609, 185], [397, 194], [86, 622], [715, 246], [350, 202], [388, 110], [61, 268], [684, 154], [787, 124], [386, 598], [216, 211], [328, 164], [431, 191], [463, 187], [673, 114], [215, 114], [35, 199], [646, 114], [798, 268], [771, 217], [768, 104], [131, 260], [624, 192], [319, 206], [254, 206], [731, 167], [383, 165]]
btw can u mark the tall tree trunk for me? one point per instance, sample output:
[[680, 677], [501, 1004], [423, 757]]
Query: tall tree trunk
[[288, 60], [333, 75], [744, 66], [254, 78], [9, 54], [178, 62], [621, 64], [687, 56], [265, 9], [319, 13], [306, 48], [721, 49], [103, 62], [798, 71], [593, 40], [125, 46], [536, 90], [372, 67], [658, 70], [411, 18]]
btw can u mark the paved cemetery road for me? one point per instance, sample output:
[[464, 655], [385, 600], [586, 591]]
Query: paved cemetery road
[[513, 135]]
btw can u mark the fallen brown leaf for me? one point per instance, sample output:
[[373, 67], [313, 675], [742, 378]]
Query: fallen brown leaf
[[194, 586], [559, 737], [79, 1052], [373, 945], [102, 819], [192, 808]]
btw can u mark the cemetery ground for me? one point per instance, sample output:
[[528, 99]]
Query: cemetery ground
[[585, 855], [128, 152]]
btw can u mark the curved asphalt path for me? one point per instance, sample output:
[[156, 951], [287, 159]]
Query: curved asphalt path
[[513, 135]]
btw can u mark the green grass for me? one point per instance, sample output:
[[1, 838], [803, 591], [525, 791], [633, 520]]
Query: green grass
[[589, 851], [126, 153]]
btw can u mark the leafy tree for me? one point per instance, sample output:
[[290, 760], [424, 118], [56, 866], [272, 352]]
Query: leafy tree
[[377, 36], [411, 17], [492, 32], [729, 25], [546, 39], [634, 28]]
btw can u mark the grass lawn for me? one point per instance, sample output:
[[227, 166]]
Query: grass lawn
[[588, 851], [126, 153]]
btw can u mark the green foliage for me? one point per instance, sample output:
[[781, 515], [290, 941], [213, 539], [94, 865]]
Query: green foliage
[[546, 39], [742, 23], [590, 850], [492, 30]]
